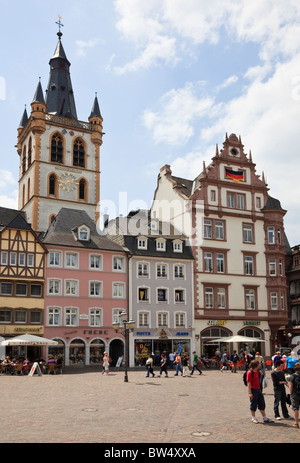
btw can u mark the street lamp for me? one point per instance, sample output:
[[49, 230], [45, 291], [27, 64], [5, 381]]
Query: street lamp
[[129, 326]]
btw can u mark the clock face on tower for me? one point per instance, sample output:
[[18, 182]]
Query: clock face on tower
[[67, 181]]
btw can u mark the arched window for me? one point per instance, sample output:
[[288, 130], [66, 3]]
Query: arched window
[[52, 184], [28, 190], [56, 148], [78, 153], [24, 160], [82, 188], [29, 152]]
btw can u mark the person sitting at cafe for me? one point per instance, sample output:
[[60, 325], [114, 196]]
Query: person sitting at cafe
[[26, 366], [51, 360], [9, 365]]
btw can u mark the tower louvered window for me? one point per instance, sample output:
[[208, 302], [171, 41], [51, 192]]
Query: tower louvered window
[[78, 153], [56, 148], [82, 189]]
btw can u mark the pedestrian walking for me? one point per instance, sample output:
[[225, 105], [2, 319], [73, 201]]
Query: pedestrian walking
[[196, 363], [171, 359], [163, 365], [295, 393], [291, 360], [235, 359], [177, 362], [185, 364], [224, 361], [149, 365], [218, 358], [279, 383], [256, 397], [105, 364]]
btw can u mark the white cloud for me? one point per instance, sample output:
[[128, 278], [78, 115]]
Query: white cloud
[[174, 122], [82, 46]]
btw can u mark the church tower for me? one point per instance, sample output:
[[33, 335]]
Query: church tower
[[59, 154]]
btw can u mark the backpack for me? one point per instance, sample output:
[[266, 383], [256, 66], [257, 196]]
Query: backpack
[[245, 377]]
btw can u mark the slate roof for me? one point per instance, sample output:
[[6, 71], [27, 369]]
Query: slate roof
[[13, 218], [63, 232]]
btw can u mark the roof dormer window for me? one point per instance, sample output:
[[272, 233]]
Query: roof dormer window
[[177, 246], [160, 244], [142, 242], [83, 233]]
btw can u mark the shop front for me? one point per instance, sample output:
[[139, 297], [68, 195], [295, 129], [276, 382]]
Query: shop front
[[211, 330], [158, 341]]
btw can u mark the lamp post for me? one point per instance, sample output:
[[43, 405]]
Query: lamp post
[[129, 326]]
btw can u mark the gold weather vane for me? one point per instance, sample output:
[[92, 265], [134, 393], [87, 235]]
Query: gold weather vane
[[59, 26]]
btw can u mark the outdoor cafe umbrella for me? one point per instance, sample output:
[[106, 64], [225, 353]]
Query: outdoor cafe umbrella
[[237, 338], [28, 340]]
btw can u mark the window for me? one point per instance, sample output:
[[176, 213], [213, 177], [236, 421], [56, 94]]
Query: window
[[118, 264], [177, 246], [179, 271], [220, 259], [82, 189], [4, 258], [54, 316], [142, 243], [116, 316], [235, 200], [160, 245], [161, 271], [71, 317], [56, 148], [96, 288], [179, 296], [250, 299], [247, 233], [22, 259], [249, 265], [221, 296], [207, 229], [54, 258], [52, 185], [282, 298], [83, 234], [6, 289], [95, 316], [20, 316], [36, 316], [274, 301], [5, 316], [143, 319], [143, 294], [118, 290], [71, 287], [143, 269], [272, 267], [208, 262], [162, 295], [78, 153], [36, 290], [54, 287], [209, 298], [95, 262], [180, 318], [162, 319], [30, 260], [271, 235], [71, 260], [219, 230], [13, 258], [21, 289]]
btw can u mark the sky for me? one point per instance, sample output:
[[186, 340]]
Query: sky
[[172, 78]]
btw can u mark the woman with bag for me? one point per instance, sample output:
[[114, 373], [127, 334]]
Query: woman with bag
[[149, 365]]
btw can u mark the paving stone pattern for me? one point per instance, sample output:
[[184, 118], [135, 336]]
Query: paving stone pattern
[[87, 407]]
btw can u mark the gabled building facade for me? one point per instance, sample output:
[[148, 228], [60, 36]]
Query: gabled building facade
[[161, 298], [86, 290], [237, 234], [59, 155], [22, 276]]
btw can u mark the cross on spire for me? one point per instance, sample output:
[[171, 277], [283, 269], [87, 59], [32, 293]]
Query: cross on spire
[[59, 27]]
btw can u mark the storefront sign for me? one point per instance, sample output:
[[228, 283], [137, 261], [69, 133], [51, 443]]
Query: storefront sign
[[95, 331], [182, 333], [217, 322], [248, 322], [143, 333], [6, 329]]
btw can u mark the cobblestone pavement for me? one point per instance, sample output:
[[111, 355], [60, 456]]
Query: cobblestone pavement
[[88, 407]]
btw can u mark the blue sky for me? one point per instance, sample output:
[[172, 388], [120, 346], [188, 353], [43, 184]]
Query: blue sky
[[172, 78]]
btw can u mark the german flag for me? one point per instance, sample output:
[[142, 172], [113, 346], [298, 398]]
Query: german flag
[[236, 176]]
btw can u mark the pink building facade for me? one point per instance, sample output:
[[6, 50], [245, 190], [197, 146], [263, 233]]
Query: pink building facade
[[85, 290]]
